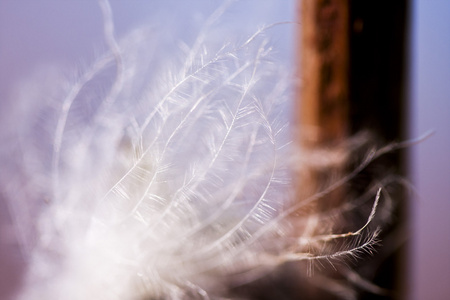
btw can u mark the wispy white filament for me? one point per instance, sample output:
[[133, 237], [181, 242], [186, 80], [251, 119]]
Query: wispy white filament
[[160, 172]]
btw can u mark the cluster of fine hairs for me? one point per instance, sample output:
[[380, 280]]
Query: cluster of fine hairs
[[165, 170]]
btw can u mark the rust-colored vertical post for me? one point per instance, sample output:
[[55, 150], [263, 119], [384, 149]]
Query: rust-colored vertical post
[[324, 71], [352, 58], [324, 89], [323, 106]]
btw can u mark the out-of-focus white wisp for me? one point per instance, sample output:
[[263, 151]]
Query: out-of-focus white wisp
[[164, 170]]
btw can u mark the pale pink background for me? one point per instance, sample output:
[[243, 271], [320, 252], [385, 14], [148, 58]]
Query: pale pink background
[[33, 33]]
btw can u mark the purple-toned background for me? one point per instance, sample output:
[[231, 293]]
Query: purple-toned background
[[430, 161], [35, 33]]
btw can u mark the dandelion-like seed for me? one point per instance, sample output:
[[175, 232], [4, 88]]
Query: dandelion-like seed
[[153, 175]]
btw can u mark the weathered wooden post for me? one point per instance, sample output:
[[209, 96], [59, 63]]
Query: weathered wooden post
[[323, 109], [352, 71], [325, 71]]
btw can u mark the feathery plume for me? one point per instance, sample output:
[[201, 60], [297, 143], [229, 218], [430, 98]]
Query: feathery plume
[[155, 174]]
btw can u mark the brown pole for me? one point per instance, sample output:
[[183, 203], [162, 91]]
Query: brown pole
[[324, 72], [352, 58], [323, 106], [323, 115]]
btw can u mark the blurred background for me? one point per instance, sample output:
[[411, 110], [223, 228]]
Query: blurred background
[[429, 161], [69, 33]]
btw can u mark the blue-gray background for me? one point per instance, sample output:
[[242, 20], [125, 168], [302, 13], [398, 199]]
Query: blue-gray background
[[34, 33], [430, 99]]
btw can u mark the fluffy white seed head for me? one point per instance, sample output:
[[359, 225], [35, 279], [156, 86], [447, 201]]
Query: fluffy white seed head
[[155, 173]]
